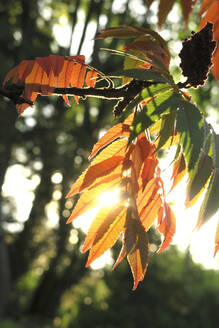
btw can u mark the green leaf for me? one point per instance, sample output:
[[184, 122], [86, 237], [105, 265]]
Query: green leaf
[[189, 124], [165, 102], [198, 179], [143, 74], [202, 170], [166, 129], [215, 150], [155, 90], [210, 204]]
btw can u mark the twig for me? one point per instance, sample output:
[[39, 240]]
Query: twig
[[124, 94]]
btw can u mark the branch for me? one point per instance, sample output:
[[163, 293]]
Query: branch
[[124, 94], [14, 94]]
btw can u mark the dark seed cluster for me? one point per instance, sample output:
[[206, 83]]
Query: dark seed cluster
[[196, 56]]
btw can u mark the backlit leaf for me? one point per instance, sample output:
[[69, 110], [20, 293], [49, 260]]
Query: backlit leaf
[[145, 195], [198, 179], [216, 240], [106, 162], [166, 130], [215, 61], [166, 102], [210, 203], [179, 170], [204, 5], [189, 124], [212, 15], [119, 130], [104, 215], [167, 226], [108, 233], [215, 149], [121, 256], [143, 74], [90, 199], [149, 213], [136, 242], [42, 75]]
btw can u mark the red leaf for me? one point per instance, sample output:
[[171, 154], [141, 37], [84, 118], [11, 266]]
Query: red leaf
[[45, 63], [78, 59], [187, 7], [167, 226], [149, 2], [57, 63], [165, 7]]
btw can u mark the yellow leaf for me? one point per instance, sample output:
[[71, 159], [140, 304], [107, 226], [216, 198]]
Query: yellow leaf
[[107, 233], [136, 243]]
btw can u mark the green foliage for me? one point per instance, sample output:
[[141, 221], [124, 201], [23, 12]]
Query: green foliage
[[47, 279]]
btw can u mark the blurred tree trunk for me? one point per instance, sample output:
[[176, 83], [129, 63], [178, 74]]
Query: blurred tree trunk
[[8, 119]]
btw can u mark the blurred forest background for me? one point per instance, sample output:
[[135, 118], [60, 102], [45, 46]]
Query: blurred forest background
[[43, 282]]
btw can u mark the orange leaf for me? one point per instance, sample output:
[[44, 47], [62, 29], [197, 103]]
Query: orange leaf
[[148, 171], [149, 213], [147, 194], [167, 226], [89, 199], [216, 240], [204, 6], [179, 171], [121, 256], [99, 170], [215, 61], [35, 77], [136, 243], [91, 78], [44, 74], [212, 15], [141, 151], [24, 69], [119, 130], [107, 161], [106, 233]]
